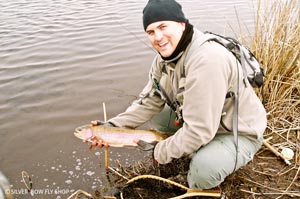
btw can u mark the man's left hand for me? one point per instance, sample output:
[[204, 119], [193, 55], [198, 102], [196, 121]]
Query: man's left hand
[[146, 146]]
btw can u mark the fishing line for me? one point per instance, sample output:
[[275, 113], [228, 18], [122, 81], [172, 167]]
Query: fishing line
[[146, 44]]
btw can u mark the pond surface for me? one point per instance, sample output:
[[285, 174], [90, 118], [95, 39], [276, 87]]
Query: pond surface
[[60, 60]]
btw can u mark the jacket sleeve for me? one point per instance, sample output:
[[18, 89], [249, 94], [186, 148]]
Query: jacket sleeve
[[207, 80], [143, 109]]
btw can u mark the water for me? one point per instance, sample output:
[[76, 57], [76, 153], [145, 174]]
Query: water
[[59, 61]]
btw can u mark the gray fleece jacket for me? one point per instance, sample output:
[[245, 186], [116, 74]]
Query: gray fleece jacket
[[200, 80]]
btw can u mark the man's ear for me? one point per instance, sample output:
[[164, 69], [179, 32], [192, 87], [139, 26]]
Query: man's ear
[[183, 26]]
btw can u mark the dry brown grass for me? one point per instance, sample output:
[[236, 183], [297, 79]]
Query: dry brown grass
[[276, 43]]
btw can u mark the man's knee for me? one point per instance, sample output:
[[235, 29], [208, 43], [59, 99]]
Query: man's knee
[[205, 174], [218, 159]]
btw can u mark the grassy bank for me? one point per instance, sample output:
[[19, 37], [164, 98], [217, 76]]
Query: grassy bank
[[276, 43]]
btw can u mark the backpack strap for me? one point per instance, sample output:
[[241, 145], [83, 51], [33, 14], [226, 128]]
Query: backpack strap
[[235, 125], [174, 105], [243, 60]]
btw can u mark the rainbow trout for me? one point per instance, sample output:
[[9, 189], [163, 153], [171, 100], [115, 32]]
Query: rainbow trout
[[116, 136]]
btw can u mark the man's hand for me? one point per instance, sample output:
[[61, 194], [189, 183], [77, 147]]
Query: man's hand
[[95, 142], [98, 122], [146, 146]]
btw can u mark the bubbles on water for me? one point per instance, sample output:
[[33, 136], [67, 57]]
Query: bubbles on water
[[83, 168], [77, 169], [90, 173]]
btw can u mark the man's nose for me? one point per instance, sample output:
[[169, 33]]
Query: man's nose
[[158, 35]]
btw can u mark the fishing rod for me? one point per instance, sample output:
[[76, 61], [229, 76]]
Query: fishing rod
[[135, 36]]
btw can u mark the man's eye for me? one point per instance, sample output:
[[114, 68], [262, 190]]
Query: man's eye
[[150, 32]]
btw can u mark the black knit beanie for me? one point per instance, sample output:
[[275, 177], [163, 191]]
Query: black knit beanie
[[162, 10]]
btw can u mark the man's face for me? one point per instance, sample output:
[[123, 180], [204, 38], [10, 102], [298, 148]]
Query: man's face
[[165, 35]]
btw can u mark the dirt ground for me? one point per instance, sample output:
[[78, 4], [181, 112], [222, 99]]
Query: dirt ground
[[267, 176]]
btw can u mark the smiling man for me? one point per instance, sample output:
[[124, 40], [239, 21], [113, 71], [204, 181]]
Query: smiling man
[[188, 84], [165, 36]]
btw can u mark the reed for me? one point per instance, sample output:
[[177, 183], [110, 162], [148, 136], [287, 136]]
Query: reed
[[276, 44]]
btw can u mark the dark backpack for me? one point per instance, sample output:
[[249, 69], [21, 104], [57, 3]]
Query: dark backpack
[[252, 71]]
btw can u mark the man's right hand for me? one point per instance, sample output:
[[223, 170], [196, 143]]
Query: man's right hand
[[96, 142]]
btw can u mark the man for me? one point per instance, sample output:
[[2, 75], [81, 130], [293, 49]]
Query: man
[[193, 77]]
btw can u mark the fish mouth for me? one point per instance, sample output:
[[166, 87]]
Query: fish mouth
[[79, 135], [79, 132]]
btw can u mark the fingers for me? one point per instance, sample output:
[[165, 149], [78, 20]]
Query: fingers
[[95, 122], [105, 144], [136, 141], [89, 137], [98, 143], [98, 122], [95, 143]]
